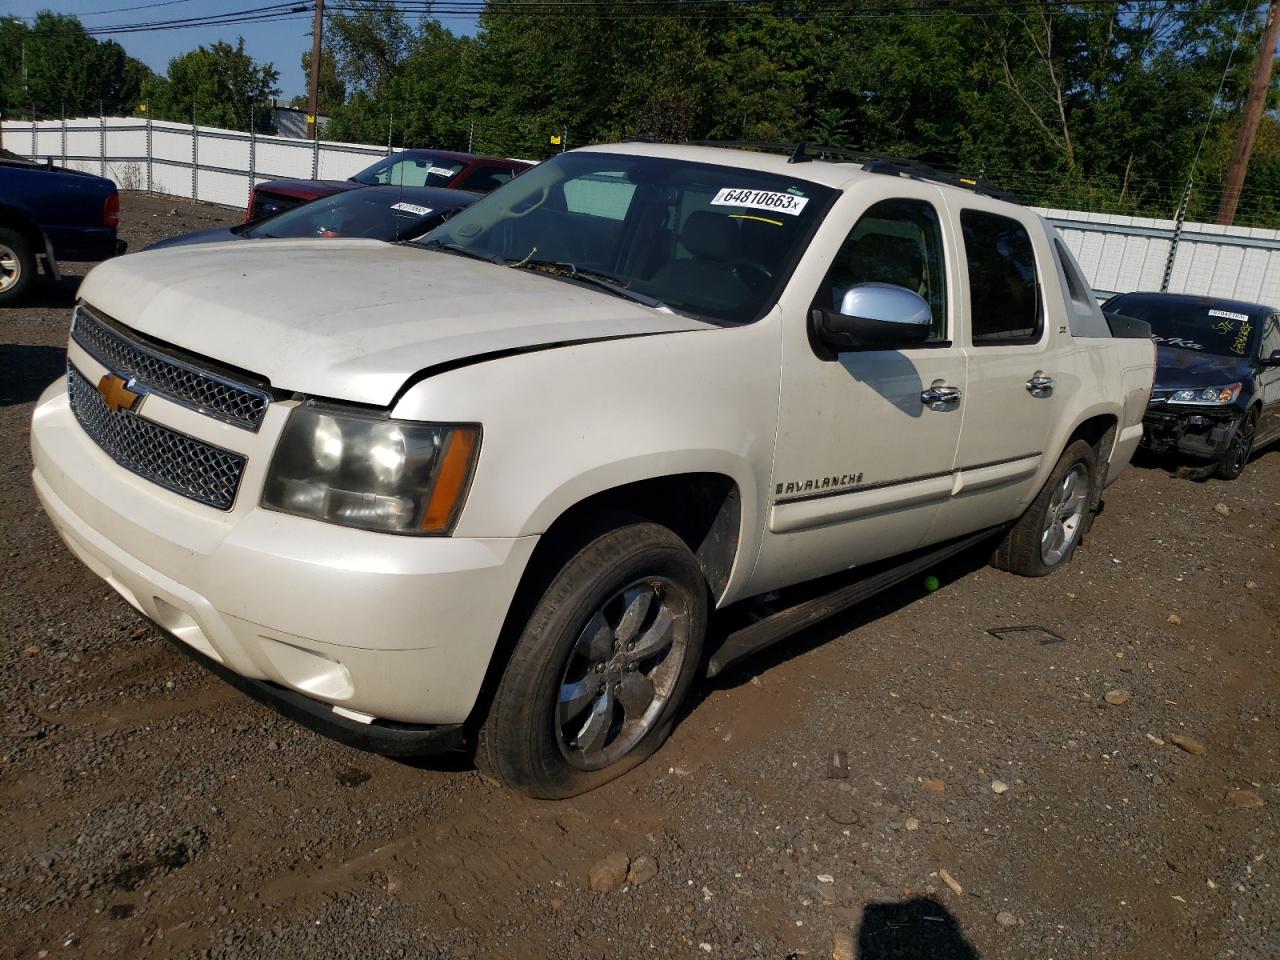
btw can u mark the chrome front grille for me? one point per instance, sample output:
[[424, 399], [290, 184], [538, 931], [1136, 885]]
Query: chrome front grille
[[173, 460], [201, 390]]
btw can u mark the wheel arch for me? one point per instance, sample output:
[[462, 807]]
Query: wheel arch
[[1100, 431], [703, 508], [16, 219]]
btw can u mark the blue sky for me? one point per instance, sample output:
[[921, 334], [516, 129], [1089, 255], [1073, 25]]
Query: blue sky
[[281, 42]]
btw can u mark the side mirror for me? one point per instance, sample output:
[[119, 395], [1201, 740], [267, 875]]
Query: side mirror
[[875, 316], [1273, 360]]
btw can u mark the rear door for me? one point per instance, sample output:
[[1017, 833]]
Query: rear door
[[1010, 405]]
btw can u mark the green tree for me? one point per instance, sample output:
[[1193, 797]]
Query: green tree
[[53, 67], [331, 92], [215, 85]]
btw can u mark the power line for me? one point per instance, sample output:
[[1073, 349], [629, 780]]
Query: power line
[[141, 6], [637, 10]]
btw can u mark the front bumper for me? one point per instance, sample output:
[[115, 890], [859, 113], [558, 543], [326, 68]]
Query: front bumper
[[377, 736], [394, 628], [1202, 432]]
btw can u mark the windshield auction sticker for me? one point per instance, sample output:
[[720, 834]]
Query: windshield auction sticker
[[411, 208], [760, 200], [440, 171], [1228, 314]]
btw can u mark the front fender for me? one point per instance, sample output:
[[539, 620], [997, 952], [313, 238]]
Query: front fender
[[566, 423]]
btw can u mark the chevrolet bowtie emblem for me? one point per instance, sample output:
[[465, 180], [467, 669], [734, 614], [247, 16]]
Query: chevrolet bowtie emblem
[[116, 393]]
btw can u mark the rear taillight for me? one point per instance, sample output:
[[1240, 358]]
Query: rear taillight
[[253, 199], [111, 211]]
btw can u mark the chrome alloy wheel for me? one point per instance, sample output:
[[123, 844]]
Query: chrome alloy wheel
[[10, 267], [1065, 516], [621, 672]]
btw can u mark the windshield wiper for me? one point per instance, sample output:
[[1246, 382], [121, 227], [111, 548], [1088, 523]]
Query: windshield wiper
[[599, 280], [456, 248]]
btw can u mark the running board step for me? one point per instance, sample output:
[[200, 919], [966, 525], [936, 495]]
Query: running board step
[[764, 633]]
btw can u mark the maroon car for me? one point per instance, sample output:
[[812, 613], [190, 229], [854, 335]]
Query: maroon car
[[410, 168]]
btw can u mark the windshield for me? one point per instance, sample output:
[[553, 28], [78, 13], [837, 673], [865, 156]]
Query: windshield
[[411, 170], [375, 213], [704, 239], [1193, 324]]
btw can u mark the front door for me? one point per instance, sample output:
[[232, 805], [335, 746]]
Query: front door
[[863, 459], [1269, 382]]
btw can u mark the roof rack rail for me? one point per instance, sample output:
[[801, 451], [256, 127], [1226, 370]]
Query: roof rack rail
[[923, 171], [804, 152]]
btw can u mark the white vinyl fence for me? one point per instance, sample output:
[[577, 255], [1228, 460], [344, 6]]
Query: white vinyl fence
[[1121, 253], [1118, 253], [184, 160]]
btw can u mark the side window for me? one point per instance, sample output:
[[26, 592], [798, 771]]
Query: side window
[[1004, 294], [484, 179], [1271, 338], [896, 241]]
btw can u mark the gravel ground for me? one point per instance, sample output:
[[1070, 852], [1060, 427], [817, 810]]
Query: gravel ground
[[1002, 799]]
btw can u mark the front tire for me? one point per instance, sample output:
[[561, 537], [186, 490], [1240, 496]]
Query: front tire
[[601, 668], [17, 266], [1234, 460], [1046, 536]]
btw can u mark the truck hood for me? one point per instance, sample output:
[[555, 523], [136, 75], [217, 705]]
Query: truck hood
[[352, 319], [1194, 368]]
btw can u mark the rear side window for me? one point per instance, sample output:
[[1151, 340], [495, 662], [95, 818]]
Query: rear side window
[[1077, 289], [1004, 293]]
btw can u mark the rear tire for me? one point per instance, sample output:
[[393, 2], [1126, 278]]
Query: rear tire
[[601, 667], [1046, 536], [1236, 458], [17, 266]]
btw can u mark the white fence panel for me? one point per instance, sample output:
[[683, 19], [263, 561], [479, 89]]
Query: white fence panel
[[278, 157], [171, 145], [229, 189], [171, 178]]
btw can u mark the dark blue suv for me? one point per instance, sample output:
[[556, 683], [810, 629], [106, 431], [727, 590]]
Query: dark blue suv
[[51, 214]]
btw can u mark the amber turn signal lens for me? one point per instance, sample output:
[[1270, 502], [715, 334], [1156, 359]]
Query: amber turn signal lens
[[451, 481]]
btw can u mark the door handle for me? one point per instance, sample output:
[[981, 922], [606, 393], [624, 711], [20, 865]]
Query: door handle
[[939, 396], [1040, 385]]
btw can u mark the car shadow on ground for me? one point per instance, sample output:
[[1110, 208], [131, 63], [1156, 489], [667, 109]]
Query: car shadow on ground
[[859, 615], [26, 370], [1194, 470], [916, 929]]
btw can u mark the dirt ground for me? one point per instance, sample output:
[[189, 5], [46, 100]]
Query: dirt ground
[[1001, 799]]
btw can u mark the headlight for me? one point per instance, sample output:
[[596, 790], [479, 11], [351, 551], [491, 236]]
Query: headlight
[[1212, 395], [371, 472]]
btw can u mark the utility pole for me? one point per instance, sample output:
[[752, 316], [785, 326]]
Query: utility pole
[[1259, 84], [313, 99]]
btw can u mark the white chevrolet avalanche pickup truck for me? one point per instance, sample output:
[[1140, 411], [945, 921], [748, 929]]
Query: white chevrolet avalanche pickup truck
[[484, 489]]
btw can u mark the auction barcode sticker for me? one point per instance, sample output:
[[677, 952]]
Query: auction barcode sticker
[[760, 200], [411, 208], [440, 171], [1228, 314]]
